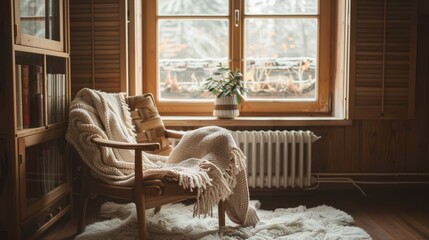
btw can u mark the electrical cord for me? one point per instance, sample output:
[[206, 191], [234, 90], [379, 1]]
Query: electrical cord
[[355, 183]]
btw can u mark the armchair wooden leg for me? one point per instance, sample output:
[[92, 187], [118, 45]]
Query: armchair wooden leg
[[83, 201], [221, 213], [141, 218], [82, 214]]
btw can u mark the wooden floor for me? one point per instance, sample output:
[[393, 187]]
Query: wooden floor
[[387, 213]]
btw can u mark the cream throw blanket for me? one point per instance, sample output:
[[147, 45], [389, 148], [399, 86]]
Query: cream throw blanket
[[206, 159]]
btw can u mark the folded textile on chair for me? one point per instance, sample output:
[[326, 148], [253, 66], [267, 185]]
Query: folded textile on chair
[[206, 160]]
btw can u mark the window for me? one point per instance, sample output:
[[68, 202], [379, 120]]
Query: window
[[281, 46]]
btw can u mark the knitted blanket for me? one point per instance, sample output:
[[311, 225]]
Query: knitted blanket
[[206, 160]]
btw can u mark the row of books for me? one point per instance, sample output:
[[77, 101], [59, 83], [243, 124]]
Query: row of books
[[44, 170], [56, 97], [30, 107]]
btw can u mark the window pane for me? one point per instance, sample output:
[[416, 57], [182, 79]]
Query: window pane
[[280, 57], [189, 51], [281, 7], [192, 7]]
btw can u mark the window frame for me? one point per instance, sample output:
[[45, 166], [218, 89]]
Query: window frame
[[320, 107]]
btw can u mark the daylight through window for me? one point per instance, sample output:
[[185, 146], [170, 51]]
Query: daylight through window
[[277, 44]]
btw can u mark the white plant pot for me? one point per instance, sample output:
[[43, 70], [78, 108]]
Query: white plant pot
[[226, 107]]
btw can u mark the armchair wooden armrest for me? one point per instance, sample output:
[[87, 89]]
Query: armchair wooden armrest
[[137, 147], [126, 145]]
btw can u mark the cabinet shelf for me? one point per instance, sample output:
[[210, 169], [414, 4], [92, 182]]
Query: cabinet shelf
[[32, 131], [22, 48]]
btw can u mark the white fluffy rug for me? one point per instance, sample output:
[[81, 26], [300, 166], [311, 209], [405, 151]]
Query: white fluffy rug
[[176, 222]]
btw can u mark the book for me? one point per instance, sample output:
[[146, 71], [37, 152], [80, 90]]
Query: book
[[18, 95], [25, 69], [49, 97], [63, 98], [39, 109], [36, 92], [40, 116]]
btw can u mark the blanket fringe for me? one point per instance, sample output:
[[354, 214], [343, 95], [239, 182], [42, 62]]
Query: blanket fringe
[[208, 197], [219, 190]]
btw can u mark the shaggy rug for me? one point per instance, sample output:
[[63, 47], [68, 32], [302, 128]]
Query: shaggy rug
[[175, 221]]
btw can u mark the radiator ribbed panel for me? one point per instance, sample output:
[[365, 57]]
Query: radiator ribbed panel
[[277, 158]]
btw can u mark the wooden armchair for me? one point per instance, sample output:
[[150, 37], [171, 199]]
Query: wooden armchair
[[146, 193]]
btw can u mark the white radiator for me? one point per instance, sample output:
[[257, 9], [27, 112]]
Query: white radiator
[[277, 158]]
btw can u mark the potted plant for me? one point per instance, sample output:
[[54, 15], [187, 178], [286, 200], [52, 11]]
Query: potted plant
[[228, 87]]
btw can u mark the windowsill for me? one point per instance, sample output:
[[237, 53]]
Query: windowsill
[[196, 121]]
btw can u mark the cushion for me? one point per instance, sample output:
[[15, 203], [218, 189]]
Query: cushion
[[147, 122]]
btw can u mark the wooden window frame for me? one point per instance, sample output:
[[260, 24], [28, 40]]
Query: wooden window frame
[[320, 107]]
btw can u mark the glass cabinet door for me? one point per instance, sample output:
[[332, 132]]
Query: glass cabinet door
[[39, 23], [43, 170]]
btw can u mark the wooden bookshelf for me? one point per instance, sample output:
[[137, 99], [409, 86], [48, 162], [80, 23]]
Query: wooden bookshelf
[[35, 98]]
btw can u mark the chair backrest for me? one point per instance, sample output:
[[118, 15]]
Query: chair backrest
[[147, 122]]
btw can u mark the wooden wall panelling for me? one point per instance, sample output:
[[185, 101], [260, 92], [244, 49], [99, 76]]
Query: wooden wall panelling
[[328, 152], [352, 144], [337, 161], [336, 150], [383, 146], [320, 157], [98, 45]]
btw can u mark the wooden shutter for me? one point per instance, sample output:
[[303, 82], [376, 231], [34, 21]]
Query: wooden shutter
[[383, 56], [98, 45]]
